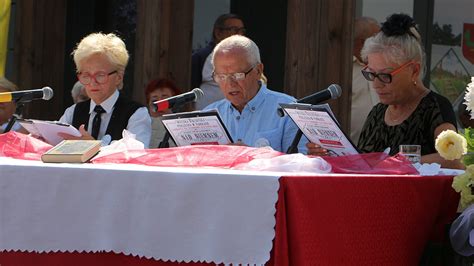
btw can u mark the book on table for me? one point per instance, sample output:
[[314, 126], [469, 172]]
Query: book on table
[[72, 151]]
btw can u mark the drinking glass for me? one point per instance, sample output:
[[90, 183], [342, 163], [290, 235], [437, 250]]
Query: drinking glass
[[411, 152]]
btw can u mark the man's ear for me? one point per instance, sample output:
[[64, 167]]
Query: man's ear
[[260, 68]]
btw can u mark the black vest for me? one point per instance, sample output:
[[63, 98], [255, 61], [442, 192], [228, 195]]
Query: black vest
[[123, 110]]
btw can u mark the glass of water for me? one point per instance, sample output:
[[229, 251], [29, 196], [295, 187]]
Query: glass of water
[[411, 152]]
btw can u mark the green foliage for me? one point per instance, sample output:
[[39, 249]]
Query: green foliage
[[444, 35], [468, 158]]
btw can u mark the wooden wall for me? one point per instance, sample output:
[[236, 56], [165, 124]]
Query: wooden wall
[[39, 53], [319, 50], [163, 43]]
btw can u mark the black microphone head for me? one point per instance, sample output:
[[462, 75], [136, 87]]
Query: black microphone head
[[335, 91], [47, 93], [198, 93]]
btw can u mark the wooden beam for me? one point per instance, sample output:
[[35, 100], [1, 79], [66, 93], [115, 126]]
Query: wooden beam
[[163, 43], [319, 50], [39, 53]]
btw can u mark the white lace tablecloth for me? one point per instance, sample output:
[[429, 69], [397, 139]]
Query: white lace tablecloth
[[177, 214]]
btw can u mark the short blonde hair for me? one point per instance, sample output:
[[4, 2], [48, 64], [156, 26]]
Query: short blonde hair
[[99, 43], [7, 85]]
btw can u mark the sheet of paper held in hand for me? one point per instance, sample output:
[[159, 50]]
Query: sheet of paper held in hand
[[48, 130], [199, 127], [318, 124]]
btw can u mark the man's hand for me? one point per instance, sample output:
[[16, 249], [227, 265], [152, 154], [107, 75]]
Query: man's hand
[[238, 143]]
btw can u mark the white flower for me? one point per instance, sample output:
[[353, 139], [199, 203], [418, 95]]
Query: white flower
[[469, 97], [450, 145]]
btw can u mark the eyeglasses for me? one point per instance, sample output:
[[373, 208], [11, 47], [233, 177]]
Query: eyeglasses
[[221, 78], [99, 77], [235, 30], [383, 77]]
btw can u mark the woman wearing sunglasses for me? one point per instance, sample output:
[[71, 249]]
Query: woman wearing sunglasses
[[101, 60], [408, 112]]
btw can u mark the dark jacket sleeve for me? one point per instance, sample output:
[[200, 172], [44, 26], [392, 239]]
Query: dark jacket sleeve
[[197, 63]]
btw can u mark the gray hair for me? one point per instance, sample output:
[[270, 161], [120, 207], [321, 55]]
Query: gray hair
[[238, 42], [78, 93], [397, 49]]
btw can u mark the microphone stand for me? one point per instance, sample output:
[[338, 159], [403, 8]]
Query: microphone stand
[[15, 116], [165, 142], [294, 145]]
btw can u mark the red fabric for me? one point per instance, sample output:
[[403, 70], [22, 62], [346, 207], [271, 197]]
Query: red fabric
[[329, 220], [21, 146], [371, 163], [226, 156], [362, 220]]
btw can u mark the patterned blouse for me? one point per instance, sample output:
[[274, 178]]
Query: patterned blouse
[[419, 128]]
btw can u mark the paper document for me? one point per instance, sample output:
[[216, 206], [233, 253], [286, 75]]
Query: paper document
[[318, 124], [199, 127], [48, 130]]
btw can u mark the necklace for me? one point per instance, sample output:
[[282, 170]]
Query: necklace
[[395, 116]]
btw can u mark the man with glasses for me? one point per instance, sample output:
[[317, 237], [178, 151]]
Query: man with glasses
[[201, 71], [249, 110], [100, 61]]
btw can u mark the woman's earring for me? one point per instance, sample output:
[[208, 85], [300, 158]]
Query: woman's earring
[[414, 82]]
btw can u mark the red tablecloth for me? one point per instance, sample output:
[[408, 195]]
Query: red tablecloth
[[329, 220]]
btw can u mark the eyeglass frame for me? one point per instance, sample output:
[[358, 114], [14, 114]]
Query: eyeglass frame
[[234, 29], [233, 75], [94, 77], [389, 75]]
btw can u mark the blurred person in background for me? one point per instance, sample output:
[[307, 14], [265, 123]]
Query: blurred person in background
[[201, 71], [78, 93], [7, 109], [364, 96], [159, 89]]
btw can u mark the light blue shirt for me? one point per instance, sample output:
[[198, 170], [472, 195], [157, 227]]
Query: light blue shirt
[[259, 123]]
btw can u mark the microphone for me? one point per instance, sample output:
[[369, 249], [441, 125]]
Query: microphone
[[45, 93], [331, 92], [177, 100]]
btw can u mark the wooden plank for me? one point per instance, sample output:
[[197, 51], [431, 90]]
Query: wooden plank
[[163, 43], [319, 50], [39, 53], [181, 40]]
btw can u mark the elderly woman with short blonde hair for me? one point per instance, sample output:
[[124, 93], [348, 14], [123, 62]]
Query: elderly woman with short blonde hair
[[100, 61]]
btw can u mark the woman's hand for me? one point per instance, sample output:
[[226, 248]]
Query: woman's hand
[[84, 134], [315, 149]]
